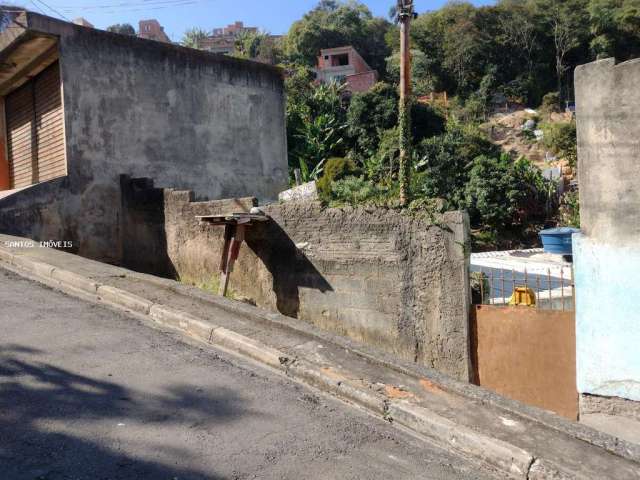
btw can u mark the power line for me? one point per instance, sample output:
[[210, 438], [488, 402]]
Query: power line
[[38, 7], [53, 10], [126, 6]]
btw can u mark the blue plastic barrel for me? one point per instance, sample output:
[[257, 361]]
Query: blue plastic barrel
[[557, 240]]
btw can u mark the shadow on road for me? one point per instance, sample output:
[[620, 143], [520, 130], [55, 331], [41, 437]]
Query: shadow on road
[[55, 424]]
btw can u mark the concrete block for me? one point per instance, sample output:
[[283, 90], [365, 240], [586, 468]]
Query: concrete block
[[171, 317], [201, 330], [72, 279], [6, 255], [491, 451], [307, 191], [542, 469], [125, 299], [331, 382], [250, 347], [33, 266]]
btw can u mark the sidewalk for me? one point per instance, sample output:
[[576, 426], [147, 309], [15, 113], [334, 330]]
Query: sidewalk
[[503, 435]]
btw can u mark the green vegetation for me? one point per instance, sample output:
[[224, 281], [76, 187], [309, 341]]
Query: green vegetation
[[336, 169], [560, 138], [193, 37], [569, 210], [212, 285], [122, 29], [521, 51], [334, 23]]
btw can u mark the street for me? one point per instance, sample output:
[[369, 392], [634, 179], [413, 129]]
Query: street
[[88, 393]]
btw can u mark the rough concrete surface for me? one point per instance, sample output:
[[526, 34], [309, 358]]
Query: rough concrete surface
[[86, 393], [393, 280], [610, 406], [619, 426]]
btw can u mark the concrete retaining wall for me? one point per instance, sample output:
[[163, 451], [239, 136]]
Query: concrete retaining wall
[[607, 253], [392, 280]]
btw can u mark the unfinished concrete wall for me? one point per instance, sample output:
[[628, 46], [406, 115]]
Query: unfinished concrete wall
[[607, 253], [182, 117], [389, 279]]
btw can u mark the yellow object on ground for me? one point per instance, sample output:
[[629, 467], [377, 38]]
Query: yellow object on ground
[[523, 296]]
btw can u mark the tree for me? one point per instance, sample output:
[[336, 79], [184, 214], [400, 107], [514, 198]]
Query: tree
[[258, 46], [316, 123], [335, 24], [615, 25], [373, 113], [567, 21], [462, 50], [369, 114], [193, 37], [445, 161], [519, 28], [422, 80], [122, 29]]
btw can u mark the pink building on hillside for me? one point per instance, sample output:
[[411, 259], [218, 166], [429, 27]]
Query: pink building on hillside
[[344, 64], [152, 30]]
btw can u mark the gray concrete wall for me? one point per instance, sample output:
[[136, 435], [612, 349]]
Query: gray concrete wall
[[607, 253], [184, 118], [393, 280], [608, 114]]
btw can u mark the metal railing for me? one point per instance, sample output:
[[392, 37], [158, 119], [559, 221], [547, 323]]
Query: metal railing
[[550, 289]]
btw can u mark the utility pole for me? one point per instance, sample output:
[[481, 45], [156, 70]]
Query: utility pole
[[405, 15]]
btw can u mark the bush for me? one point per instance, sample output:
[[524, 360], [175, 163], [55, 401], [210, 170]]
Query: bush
[[492, 193], [334, 169], [570, 210], [354, 191], [373, 112], [561, 139], [535, 193], [384, 163], [369, 114], [444, 163], [551, 103]]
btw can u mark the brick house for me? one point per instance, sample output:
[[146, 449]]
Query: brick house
[[344, 64], [152, 30], [223, 40]]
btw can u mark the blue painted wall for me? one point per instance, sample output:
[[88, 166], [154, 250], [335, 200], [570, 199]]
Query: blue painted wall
[[607, 279]]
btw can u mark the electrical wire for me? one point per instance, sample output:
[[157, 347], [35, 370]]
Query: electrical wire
[[37, 7], [125, 5], [53, 10]]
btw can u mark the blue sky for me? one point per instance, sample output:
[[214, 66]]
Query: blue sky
[[178, 15]]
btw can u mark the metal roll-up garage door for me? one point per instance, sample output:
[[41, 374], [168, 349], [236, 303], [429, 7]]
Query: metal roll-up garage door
[[35, 130], [20, 135], [49, 125]]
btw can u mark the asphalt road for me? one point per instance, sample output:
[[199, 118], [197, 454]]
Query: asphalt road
[[88, 393]]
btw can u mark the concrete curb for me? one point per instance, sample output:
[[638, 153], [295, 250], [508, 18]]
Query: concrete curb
[[602, 440], [491, 451], [126, 299], [319, 377], [497, 454]]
